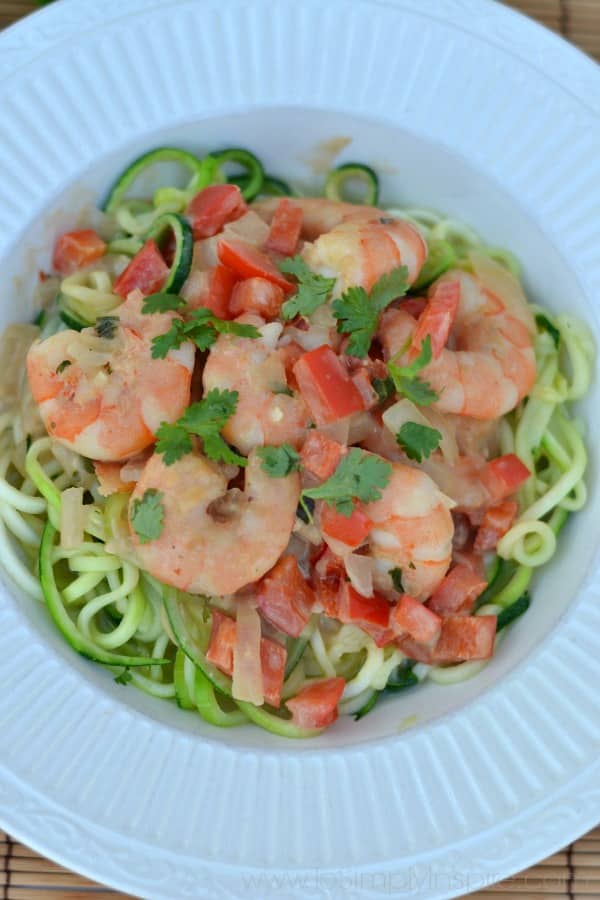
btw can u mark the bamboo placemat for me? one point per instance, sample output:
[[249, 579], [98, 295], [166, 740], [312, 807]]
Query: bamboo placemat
[[572, 874]]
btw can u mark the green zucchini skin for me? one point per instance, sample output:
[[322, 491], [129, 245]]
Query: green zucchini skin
[[129, 176], [352, 171], [251, 181], [184, 248], [74, 637]]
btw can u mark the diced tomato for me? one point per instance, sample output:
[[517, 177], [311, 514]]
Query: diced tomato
[[146, 272], [256, 295], [350, 530], [362, 381], [211, 289], [496, 522], [213, 207], [457, 592], [285, 599], [320, 455], [414, 306], [76, 249], [422, 653], [326, 387], [315, 706], [272, 655], [286, 226], [250, 262], [466, 637], [438, 317], [503, 475], [328, 575], [355, 608], [410, 616], [222, 642], [471, 560]]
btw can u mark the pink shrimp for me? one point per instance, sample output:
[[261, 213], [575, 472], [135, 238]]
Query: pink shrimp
[[105, 397], [215, 539], [489, 363], [255, 368], [412, 530]]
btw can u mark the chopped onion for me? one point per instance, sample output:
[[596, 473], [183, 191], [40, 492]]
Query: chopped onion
[[14, 344], [404, 411], [337, 431], [504, 284], [72, 518], [338, 547], [249, 227], [205, 253], [360, 572], [247, 669], [271, 332], [361, 426], [315, 337]]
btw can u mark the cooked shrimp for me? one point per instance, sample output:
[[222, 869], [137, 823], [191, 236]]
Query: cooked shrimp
[[489, 365], [359, 251], [105, 397], [215, 540], [412, 531], [319, 214], [254, 367]]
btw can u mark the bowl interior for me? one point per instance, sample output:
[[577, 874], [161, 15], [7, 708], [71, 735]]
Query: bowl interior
[[298, 145]]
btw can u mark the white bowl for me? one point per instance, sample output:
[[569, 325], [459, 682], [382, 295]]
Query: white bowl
[[461, 105]]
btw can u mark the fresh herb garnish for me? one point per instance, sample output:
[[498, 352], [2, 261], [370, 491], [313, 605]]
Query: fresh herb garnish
[[279, 461], [205, 420], [544, 322], [359, 476], [202, 328], [396, 576], [384, 388], [313, 289], [406, 379], [147, 516], [62, 366], [124, 677], [106, 326], [418, 441], [357, 311], [157, 303]]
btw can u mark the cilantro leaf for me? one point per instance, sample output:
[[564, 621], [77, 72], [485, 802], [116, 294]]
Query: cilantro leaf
[[279, 461], [313, 289], [358, 312], [205, 420], [384, 388], [359, 476], [173, 441], [396, 576], [147, 516], [157, 303], [418, 441], [170, 340], [202, 328], [123, 677], [406, 380]]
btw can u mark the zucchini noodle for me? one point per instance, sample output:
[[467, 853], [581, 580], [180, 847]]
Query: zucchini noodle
[[155, 637]]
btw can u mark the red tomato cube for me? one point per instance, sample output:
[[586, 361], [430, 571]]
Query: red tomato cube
[[326, 387], [76, 249], [285, 598], [315, 706], [457, 592]]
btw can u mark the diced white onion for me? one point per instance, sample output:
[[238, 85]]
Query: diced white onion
[[337, 431], [361, 426], [271, 332], [249, 227], [72, 518], [205, 253], [315, 337], [247, 669], [404, 411], [360, 572]]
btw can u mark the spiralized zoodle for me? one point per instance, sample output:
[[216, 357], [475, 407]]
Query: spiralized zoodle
[[336, 511]]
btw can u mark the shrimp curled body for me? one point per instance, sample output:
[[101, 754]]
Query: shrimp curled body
[[215, 540], [489, 365], [412, 531], [105, 397], [254, 367]]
